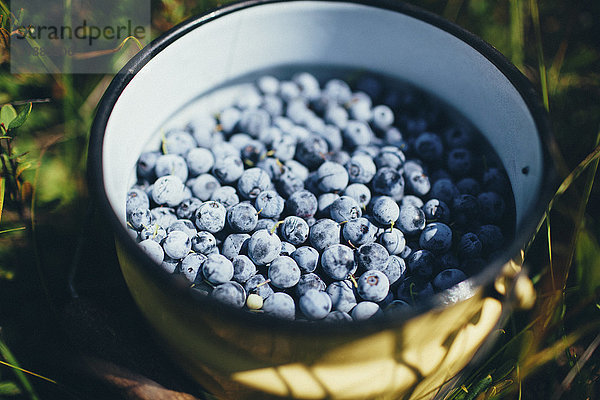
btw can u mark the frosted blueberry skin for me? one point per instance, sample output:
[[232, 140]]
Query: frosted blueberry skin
[[252, 152], [228, 169], [203, 186], [324, 202], [243, 268], [265, 223], [231, 293], [217, 269], [153, 232], [361, 168], [359, 231], [385, 210], [411, 220], [302, 204], [199, 161], [393, 240], [168, 190], [342, 295], [422, 263], [371, 255], [373, 286], [257, 284], [284, 148], [436, 211], [297, 168], [309, 281], [315, 304], [136, 198], [324, 233], [252, 182], [210, 216], [332, 177], [153, 250], [272, 166], [337, 317], [307, 258], [360, 193], [204, 242], [448, 278], [242, 218], [357, 133], [394, 268], [289, 183], [469, 246], [365, 310], [280, 305], [191, 265], [139, 218], [263, 247], [226, 195], [163, 216], [287, 249], [388, 182], [418, 183], [187, 208], [177, 244], [338, 262], [234, 245], [184, 225], [145, 165], [171, 164], [390, 157], [311, 151], [283, 272], [383, 117], [344, 209], [294, 229], [170, 265], [436, 237]]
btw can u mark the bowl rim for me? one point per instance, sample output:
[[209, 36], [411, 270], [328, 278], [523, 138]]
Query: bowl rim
[[174, 286]]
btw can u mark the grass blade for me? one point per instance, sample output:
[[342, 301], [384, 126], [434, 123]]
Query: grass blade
[[2, 188], [535, 16], [11, 362]]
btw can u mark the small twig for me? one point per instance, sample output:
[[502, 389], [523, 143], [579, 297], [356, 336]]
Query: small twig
[[566, 383]]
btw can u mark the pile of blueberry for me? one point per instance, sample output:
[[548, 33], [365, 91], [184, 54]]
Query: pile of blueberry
[[316, 201]]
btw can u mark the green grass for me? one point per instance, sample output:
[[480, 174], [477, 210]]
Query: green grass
[[548, 352]]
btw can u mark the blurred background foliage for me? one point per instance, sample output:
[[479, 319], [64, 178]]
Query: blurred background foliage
[[549, 352]]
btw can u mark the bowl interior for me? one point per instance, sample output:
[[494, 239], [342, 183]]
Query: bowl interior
[[325, 34]]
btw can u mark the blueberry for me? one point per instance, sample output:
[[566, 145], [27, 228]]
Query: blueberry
[[268, 84], [230, 293], [332, 177], [360, 107], [393, 137], [153, 250], [263, 247], [248, 98], [252, 152], [337, 261], [203, 129], [253, 121], [177, 244], [243, 268], [448, 278], [210, 216], [336, 115], [308, 84], [394, 268], [341, 157], [242, 217], [191, 264], [136, 198], [309, 281], [284, 148], [269, 204], [154, 232], [205, 243], [324, 233], [226, 195], [418, 183], [344, 209], [289, 183], [342, 295], [390, 157], [146, 164], [302, 204], [183, 225], [234, 244], [411, 200], [393, 240], [187, 208], [311, 151], [315, 304], [295, 230], [359, 231], [413, 165], [257, 284], [265, 223], [421, 263], [324, 202], [163, 216], [389, 182], [492, 207], [371, 255], [272, 166], [429, 147], [287, 249], [252, 182], [169, 265], [168, 190], [396, 306], [361, 168], [307, 258], [284, 272], [357, 133], [337, 316], [383, 117], [469, 246], [280, 305], [223, 150], [297, 169], [468, 186], [411, 220], [458, 136], [491, 238], [360, 193], [385, 210], [495, 180], [436, 237], [217, 269], [448, 261], [365, 310], [139, 218], [336, 91], [171, 164], [204, 186], [373, 285], [413, 289], [459, 162], [444, 190], [466, 210], [228, 169], [436, 210], [178, 142]]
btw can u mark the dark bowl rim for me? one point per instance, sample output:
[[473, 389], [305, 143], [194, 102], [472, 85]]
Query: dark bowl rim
[[174, 286]]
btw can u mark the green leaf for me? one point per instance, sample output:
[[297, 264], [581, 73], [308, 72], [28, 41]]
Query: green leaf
[[9, 389], [587, 255], [21, 117], [7, 114]]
